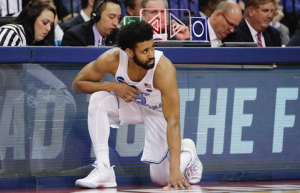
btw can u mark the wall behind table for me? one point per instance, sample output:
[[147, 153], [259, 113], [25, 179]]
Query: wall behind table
[[243, 118]]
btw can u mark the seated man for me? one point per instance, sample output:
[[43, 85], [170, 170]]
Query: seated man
[[206, 8], [223, 21], [84, 15], [255, 26], [101, 29], [283, 29], [147, 15], [132, 7], [137, 96]]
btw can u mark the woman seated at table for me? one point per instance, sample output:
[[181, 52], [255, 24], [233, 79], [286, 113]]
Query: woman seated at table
[[30, 28]]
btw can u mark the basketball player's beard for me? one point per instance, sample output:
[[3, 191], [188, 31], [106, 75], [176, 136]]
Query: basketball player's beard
[[144, 65]]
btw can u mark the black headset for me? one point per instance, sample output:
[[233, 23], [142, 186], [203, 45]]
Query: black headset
[[96, 15]]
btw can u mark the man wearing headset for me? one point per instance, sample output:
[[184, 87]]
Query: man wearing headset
[[100, 30]]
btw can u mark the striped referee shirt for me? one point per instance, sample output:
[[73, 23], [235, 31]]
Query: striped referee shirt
[[12, 35]]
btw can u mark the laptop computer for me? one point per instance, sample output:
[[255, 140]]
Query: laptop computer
[[184, 43], [239, 44]]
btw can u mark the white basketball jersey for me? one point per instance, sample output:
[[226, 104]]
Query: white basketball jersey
[[147, 110], [149, 97]]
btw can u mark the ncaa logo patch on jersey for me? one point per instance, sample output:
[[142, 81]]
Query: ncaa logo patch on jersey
[[120, 79]]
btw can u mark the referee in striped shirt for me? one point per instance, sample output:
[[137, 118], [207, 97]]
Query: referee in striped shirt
[[30, 28]]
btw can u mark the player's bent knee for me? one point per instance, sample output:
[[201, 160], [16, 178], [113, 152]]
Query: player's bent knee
[[96, 97], [159, 182], [159, 178]]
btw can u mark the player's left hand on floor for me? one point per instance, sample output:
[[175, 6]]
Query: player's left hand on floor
[[179, 184]]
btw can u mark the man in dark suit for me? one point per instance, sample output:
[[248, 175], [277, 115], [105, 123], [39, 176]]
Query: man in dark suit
[[100, 30], [255, 26], [84, 15]]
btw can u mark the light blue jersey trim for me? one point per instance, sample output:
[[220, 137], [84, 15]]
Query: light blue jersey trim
[[167, 154]]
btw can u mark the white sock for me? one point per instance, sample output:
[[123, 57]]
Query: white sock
[[102, 154]]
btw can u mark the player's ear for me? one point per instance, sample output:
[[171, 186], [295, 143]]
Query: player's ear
[[129, 52]]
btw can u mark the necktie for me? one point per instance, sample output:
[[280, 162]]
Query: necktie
[[259, 43], [219, 42], [101, 41]]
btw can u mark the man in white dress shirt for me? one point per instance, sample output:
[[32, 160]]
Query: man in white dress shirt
[[223, 21]]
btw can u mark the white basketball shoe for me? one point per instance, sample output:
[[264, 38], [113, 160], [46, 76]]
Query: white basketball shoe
[[99, 177], [193, 172]]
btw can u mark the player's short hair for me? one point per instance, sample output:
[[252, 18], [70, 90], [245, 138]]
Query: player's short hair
[[131, 34]]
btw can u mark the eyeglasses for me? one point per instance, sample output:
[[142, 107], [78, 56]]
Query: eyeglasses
[[229, 23]]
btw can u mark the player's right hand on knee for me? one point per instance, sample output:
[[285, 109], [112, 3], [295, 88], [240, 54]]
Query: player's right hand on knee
[[126, 92]]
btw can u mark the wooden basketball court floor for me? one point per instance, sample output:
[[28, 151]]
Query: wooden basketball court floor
[[212, 187]]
